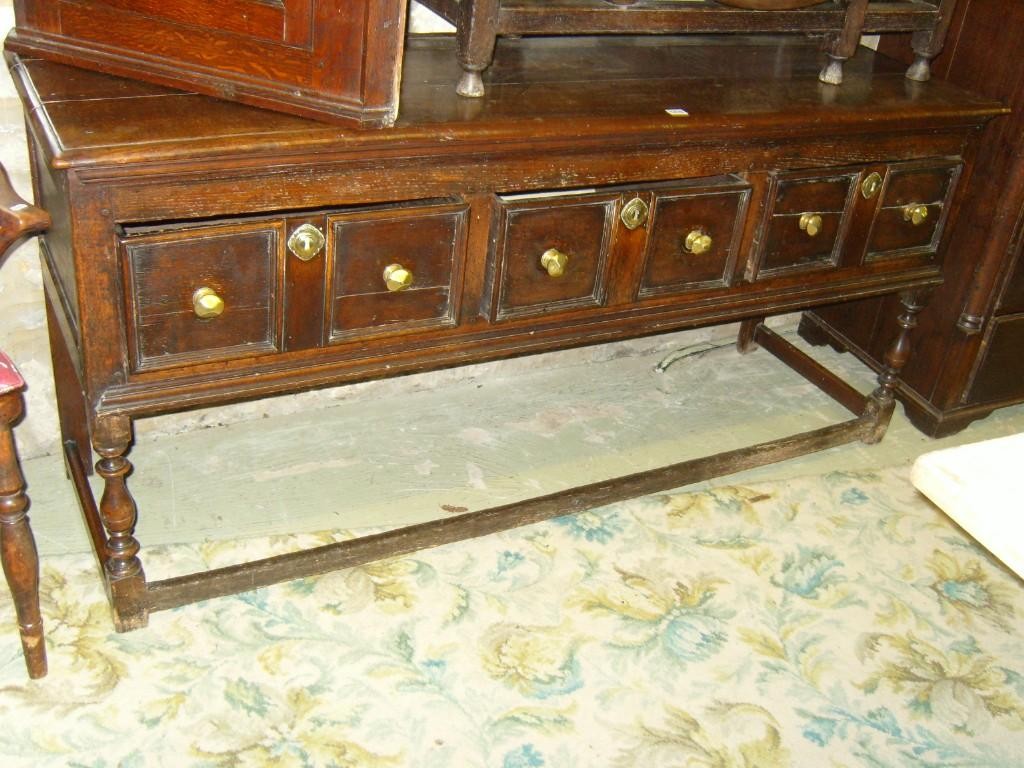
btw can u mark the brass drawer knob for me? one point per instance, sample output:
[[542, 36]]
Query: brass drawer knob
[[397, 277], [207, 304], [810, 223], [870, 186], [634, 213], [698, 242], [915, 213], [554, 261], [306, 242]]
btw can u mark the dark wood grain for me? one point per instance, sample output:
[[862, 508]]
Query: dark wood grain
[[716, 213], [479, 22], [18, 218], [158, 193], [332, 59], [17, 546], [969, 362]]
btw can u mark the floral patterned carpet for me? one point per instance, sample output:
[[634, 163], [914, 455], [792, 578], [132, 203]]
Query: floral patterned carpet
[[830, 621]]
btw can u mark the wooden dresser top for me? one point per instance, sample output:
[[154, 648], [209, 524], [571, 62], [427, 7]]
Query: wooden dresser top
[[571, 91]]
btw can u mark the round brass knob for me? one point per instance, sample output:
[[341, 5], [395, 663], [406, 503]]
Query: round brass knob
[[915, 213], [810, 223], [206, 303], [554, 261], [698, 242], [397, 277]]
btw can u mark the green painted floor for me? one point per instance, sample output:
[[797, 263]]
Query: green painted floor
[[403, 451]]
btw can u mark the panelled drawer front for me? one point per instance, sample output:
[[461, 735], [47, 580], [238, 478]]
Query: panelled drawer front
[[913, 209], [423, 245], [806, 221], [574, 231], [694, 238], [238, 269]]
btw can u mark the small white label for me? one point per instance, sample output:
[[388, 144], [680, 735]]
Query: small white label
[[676, 112]]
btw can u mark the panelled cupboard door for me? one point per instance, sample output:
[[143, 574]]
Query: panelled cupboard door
[[320, 58]]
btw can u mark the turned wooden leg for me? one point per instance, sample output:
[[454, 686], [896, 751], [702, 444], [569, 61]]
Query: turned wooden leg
[[882, 401], [126, 582], [843, 45], [928, 43], [477, 32], [17, 547]]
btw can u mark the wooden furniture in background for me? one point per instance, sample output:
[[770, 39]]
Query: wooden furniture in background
[[243, 253], [480, 22], [330, 59], [971, 356]]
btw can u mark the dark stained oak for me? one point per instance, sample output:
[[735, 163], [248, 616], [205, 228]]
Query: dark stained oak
[[331, 59], [971, 357], [480, 22], [18, 219], [170, 281], [17, 546]]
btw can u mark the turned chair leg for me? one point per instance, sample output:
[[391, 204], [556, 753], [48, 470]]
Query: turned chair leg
[[928, 43], [844, 44], [125, 580], [882, 401], [475, 39], [17, 546]]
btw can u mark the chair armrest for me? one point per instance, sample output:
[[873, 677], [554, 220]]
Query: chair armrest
[[18, 219]]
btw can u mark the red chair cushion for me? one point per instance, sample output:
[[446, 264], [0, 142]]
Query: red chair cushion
[[10, 379]]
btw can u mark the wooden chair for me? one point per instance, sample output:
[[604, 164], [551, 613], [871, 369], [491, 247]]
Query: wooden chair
[[18, 556], [17, 546]]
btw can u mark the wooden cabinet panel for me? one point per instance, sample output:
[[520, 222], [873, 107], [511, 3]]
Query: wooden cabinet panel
[[283, 21], [806, 221], [330, 59], [913, 210], [694, 237], [999, 376], [238, 263], [427, 242], [578, 226], [1012, 299], [971, 357]]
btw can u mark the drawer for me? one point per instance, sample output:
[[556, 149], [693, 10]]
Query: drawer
[[694, 238], [806, 221], [552, 253], [912, 211], [395, 270], [203, 293]]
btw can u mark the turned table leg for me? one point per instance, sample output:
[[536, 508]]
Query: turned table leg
[[125, 580], [17, 546], [882, 401]]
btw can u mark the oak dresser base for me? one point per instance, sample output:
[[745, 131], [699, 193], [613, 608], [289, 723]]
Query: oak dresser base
[[242, 254]]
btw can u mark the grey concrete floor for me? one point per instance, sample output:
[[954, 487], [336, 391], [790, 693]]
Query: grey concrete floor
[[398, 454]]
